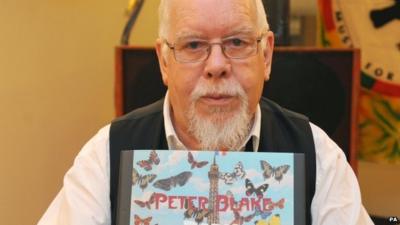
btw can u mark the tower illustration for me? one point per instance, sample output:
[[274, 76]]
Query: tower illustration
[[213, 174]]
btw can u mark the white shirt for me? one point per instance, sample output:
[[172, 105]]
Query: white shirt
[[84, 197]]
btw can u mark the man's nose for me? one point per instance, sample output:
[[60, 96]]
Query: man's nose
[[217, 64]]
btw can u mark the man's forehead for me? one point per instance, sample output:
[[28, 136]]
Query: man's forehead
[[206, 6], [178, 3], [192, 17], [244, 29]]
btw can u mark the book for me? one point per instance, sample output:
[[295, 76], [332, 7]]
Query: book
[[166, 187]]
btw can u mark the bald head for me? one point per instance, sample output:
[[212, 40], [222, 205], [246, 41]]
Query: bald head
[[166, 6]]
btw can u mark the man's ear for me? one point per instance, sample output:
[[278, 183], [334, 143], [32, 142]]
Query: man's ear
[[268, 52], [162, 61]]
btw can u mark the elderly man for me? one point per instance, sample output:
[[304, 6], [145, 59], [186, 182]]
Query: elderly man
[[214, 56]]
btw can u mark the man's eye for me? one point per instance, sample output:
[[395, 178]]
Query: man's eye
[[193, 45], [237, 42]]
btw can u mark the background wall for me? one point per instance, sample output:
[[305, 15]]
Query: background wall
[[56, 91]]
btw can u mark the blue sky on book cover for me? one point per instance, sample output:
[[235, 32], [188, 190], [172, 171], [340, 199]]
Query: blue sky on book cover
[[174, 187]]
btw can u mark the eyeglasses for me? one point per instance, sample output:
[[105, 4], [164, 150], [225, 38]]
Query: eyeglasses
[[191, 51]]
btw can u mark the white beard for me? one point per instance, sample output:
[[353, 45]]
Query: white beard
[[222, 128]]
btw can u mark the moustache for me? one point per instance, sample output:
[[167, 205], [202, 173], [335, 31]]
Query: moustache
[[220, 90]]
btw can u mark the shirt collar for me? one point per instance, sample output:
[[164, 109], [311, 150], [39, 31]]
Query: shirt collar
[[174, 142]]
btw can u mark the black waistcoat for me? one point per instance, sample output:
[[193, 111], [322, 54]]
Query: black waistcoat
[[281, 131]]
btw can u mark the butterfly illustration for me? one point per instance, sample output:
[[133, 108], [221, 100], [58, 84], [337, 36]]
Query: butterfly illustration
[[190, 209], [259, 191], [147, 164], [230, 178], [239, 220], [277, 172], [146, 203], [194, 163], [142, 181], [274, 220], [194, 212], [280, 204], [263, 214], [140, 221], [168, 183]]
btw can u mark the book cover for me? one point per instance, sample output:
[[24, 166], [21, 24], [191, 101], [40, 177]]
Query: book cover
[[206, 187]]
